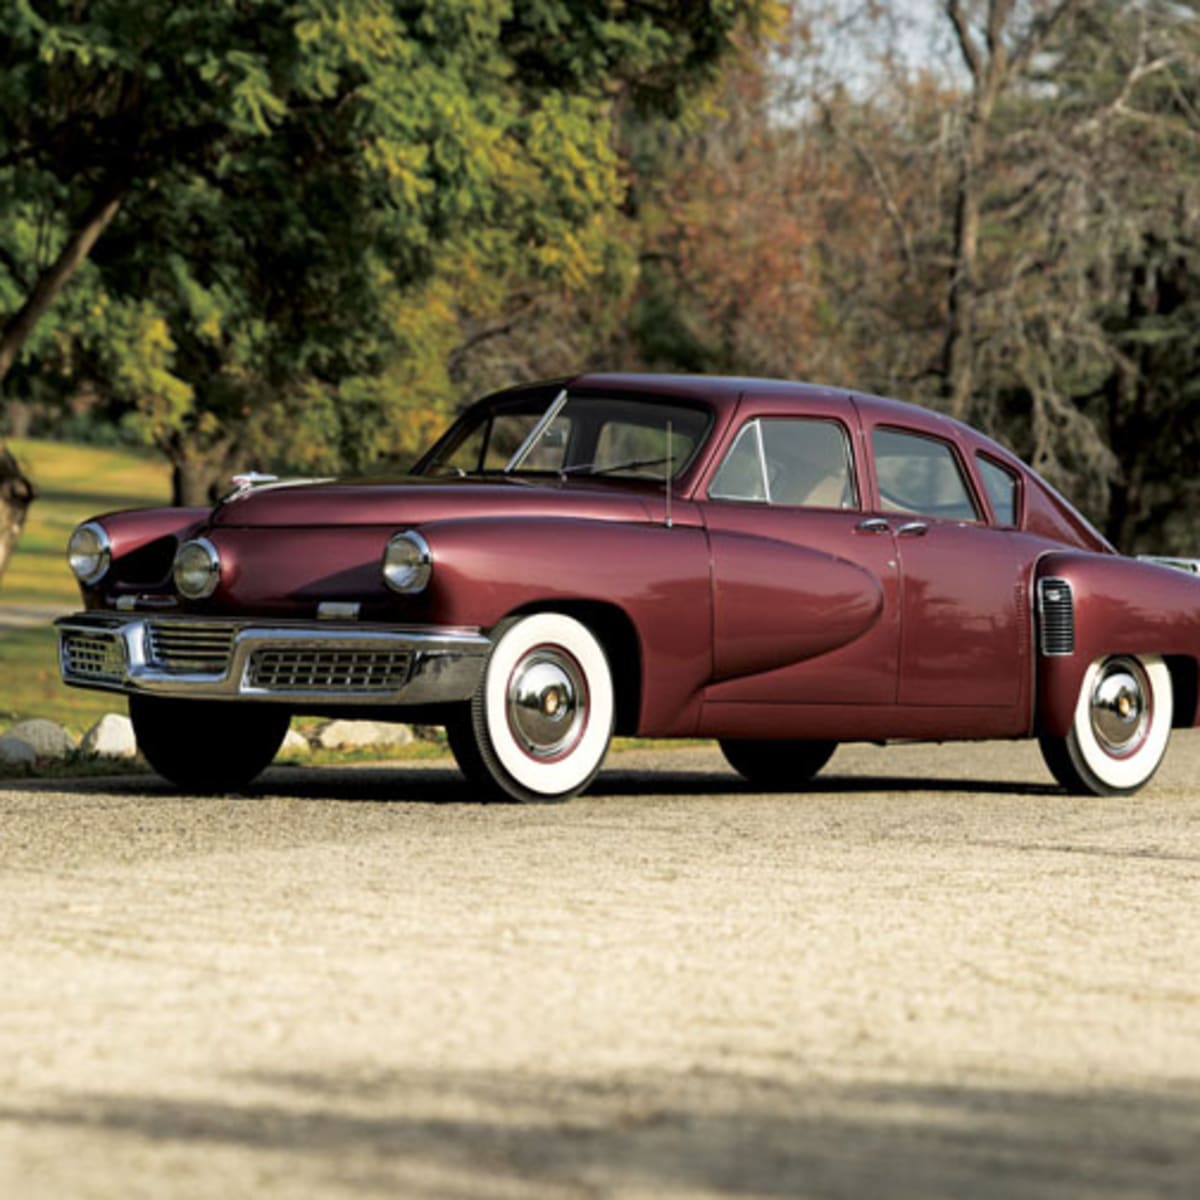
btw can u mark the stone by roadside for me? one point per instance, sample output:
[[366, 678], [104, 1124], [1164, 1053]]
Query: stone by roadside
[[36, 742], [110, 737]]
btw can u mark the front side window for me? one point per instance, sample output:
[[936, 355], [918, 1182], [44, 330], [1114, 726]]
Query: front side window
[[1003, 489], [918, 474], [801, 462]]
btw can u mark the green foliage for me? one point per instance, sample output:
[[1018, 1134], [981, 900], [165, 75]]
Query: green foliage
[[321, 194]]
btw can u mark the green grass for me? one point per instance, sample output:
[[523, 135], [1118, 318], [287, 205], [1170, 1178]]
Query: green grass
[[73, 483]]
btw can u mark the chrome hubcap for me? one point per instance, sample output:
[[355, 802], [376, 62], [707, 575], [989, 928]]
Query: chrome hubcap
[[1119, 706], [547, 703]]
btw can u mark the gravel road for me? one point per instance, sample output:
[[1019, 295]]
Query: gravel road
[[932, 977]]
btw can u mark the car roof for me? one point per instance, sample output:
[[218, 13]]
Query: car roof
[[725, 391]]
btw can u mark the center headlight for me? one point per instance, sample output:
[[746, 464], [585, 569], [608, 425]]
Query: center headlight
[[197, 569], [89, 552], [407, 562]]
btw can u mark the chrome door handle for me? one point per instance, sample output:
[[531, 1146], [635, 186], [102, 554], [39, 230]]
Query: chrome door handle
[[912, 529], [872, 525]]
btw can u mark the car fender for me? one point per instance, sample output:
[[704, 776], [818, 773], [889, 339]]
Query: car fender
[[488, 568], [1119, 606]]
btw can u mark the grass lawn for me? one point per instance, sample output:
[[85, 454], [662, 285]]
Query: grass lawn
[[73, 483]]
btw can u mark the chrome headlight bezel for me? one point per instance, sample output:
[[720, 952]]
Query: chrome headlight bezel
[[207, 571], [89, 565], [407, 563]]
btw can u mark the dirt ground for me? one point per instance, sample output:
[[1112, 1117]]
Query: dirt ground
[[934, 976]]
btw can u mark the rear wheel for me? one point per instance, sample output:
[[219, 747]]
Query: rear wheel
[[1120, 728], [205, 745], [778, 766], [542, 718]]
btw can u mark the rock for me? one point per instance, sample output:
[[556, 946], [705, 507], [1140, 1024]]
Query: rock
[[16, 753], [356, 735], [110, 737], [49, 741], [295, 743]]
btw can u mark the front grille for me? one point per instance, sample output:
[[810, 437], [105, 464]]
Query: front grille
[[195, 649], [310, 670], [1056, 617], [98, 656]]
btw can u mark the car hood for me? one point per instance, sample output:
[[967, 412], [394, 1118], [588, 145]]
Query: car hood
[[416, 501]]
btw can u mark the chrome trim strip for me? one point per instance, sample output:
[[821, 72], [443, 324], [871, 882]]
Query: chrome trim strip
[[1190, 565], [447, 662]]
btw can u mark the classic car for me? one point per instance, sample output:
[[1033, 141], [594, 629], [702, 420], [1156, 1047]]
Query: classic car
[[779, 566]]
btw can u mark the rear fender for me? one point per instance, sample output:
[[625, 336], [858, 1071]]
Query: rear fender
[[1120, 606]]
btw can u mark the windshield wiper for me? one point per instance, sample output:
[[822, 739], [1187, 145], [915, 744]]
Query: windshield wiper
[[536, 432], [629, 465]]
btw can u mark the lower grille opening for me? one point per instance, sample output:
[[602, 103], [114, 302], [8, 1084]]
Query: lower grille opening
[[302, 670], [201, 649], [99, 656]]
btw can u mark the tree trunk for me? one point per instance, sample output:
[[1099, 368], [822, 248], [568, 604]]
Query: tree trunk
[[16, 495], [198, 478], [54, 278]]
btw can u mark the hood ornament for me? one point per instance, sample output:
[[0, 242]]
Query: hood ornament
[[251, 479]]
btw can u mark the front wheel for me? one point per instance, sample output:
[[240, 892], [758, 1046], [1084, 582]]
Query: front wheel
[[1120, 728], [542, 718], [778, 766], [206, 745]]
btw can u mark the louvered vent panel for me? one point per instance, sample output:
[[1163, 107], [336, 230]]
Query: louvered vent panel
[[1056, 617], [200, 649]]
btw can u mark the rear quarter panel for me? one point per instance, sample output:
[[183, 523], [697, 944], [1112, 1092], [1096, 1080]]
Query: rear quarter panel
[[1122, 606]]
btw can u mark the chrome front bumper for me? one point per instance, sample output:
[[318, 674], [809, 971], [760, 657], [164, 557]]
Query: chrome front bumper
[[285, 661]]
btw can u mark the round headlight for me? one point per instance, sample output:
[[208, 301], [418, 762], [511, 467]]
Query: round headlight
[[89, 552], [407, 562], [197, 569]]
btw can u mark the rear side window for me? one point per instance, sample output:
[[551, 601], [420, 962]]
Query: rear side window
[[801, 462], [1003, 489], [919, 474]]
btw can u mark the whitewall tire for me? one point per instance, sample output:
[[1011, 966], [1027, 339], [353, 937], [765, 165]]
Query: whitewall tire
[[1120, 728], [543, 714]]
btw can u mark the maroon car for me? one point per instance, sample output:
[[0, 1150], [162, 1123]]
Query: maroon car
[[779, 566]]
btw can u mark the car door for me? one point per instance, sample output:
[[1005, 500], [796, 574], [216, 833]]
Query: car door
[[805, 598], [965, 623]]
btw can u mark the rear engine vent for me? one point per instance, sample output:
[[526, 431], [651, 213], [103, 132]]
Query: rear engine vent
[[1056, 617]]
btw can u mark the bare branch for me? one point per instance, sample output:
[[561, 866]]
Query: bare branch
[[966, 39], [890, 206]]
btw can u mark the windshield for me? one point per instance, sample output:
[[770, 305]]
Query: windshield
[[565, 435]]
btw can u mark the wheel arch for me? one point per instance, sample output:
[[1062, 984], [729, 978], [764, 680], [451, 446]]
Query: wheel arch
[[1185, 688], [618, 635]]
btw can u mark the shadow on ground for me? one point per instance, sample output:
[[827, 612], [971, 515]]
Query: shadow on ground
[[444, 785], [695, 1132]]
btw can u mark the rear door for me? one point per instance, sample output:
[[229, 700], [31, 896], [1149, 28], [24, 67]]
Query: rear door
[[965, 624]]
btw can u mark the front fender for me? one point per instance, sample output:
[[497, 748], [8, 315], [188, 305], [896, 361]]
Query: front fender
[[1121, 606], [486, 568]]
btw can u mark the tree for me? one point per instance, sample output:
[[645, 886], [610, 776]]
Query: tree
[[288, 210]]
